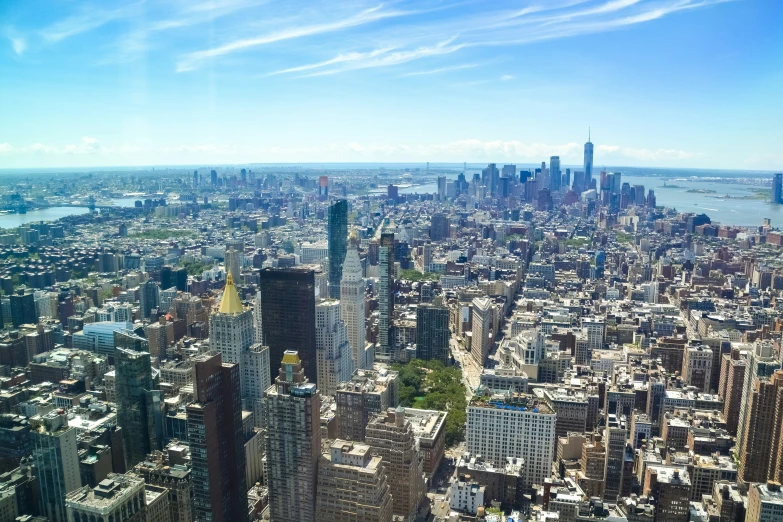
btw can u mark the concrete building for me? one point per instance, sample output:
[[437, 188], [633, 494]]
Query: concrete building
[[333, 352], [171, 469], [765, 503], [466, 495], [697, 367], [231, 333], [512, 425], [367, 393], [216, 439], [432, 333], [292, 412], [56, 459], [118, 497], [429, 430], [481, 332], [671, 487], [391, 436], [353, 307], [352, 485], [385, 297]]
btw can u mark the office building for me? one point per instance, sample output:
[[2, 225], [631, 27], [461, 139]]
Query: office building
[[391, 436], [56, 459], [149, 297], [432, 333], [118, 497], [292, 412], [288, 298], [337, 233], [137, 401], [385, 297], [777, 189], [171, 469], [367, 393], [23, 309], [765, 503], [588, 164], [233, 260], [697, 367], [333, 353], [670, 486], [352, 485], [353, 307], [439, 227], [216, 441], [759, 455], [554, 174], [614, 441], [504, 425], [481, 333], [232, 334]]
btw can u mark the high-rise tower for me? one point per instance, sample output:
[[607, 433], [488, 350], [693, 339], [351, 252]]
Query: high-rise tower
[[338, 245], [232, 334], [292, 412], [588, 162], [554, 173], [216, 442], [385, 296], [352, 307], [136, 402], [333, 352], [288, 316], [777, 189], [56, 459], [432, 333]]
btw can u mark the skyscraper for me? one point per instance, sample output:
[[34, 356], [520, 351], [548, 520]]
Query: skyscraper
[[390, 435], [352, 485], [232, 334], [777, 189], [554, 173], [333, 352], [338, 244], [292, 412], [588, 163], [439, 227], [217, 442], [148, 297], [233, 262], [432, 333], [56, 458], [759, 453], [136, 401], [385, 296], [352, 307], [288, 316]]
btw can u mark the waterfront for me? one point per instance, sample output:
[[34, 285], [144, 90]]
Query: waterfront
[[52, 214]]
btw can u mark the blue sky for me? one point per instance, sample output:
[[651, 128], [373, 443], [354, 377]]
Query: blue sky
[[678, 83]]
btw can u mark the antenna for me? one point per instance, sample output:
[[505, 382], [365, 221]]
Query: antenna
[[588, 134]]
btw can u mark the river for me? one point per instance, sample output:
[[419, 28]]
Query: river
[[52, 214]]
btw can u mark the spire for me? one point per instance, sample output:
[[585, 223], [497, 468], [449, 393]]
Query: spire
[[230, 303], [588, 134]]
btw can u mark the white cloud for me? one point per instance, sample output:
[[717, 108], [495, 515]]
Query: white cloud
[[506, 77], [441, 70], [191, 61], [18, 44], [88, 19]]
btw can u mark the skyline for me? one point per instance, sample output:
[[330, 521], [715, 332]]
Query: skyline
[[662, 83]]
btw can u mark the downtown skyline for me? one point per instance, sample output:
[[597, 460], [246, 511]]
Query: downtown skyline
[[661, 83]]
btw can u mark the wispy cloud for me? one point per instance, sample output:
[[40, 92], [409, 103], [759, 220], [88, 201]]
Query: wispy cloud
[[88, 19], [190, 61], [18, 44], [440, 70], [354, 61], [506, 77]]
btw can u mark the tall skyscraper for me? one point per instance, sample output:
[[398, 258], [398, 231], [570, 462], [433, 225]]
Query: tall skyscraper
[[432, 333], [232, 334], [136, 403], [760, 452], [761, 364], [441, 188], [352, 485], [352, 307], [292, 412], [217, 442], [337, 233], [149, 297], [333, 352], [233, 262], [390, 435], [56, 458], [490, 177], [439, 227], [614, 441], [554, 173], [588, 162], [288, 316], [777, 189], [385, 296]]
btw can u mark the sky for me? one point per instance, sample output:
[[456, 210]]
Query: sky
[[659, 83]]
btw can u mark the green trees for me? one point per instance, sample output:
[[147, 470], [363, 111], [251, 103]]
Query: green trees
[[429, 385]]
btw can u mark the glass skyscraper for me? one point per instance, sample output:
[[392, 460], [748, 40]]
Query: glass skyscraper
[[338, 245]]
